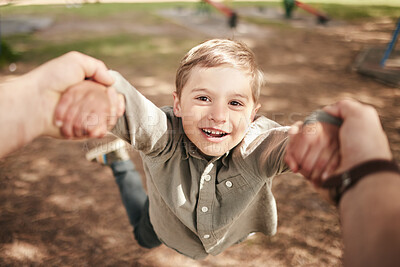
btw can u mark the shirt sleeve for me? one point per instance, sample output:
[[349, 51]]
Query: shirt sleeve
[[143, 125], [263, 148], [272, 152]]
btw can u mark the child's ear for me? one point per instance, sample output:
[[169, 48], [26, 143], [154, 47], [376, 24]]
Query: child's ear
[[255, 110], [177, 105]]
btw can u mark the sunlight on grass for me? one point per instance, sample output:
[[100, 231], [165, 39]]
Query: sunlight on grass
[[89, 10], [349, 10], [147, 52], [144, 54]]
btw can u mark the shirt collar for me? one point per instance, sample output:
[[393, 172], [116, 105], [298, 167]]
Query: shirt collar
[[192, 151]]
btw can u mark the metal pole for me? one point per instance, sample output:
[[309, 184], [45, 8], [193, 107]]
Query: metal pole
[[391, 44], [1, 42]]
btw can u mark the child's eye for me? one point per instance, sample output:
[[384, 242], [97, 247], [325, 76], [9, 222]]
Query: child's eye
[[203, 98], [235, 103]]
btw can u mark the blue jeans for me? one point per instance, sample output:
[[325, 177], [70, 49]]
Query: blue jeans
[[136, 202]]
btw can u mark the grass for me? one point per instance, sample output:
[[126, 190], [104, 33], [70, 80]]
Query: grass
[[140, 53], [95, 11], [349, 12], [7, 55], [148, 52]]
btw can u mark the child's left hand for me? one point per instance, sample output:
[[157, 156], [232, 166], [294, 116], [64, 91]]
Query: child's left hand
[[88, 109], [313, 150]]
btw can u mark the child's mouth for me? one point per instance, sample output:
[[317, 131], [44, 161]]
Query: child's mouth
[[214, 133]]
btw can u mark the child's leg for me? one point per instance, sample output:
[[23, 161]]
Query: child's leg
[[136, 202], [131, 189], [134, 198], [144, 232]]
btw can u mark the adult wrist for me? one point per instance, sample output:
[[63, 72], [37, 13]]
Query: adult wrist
[[341, 183]]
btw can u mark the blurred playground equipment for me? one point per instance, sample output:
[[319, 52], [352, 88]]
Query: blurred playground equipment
[[291, 4], [228, 12], [390, 47], [382, 64]]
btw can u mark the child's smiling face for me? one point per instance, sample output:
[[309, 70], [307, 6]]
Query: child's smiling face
[[216, 107]]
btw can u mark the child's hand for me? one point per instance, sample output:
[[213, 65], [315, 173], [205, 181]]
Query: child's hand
[[88, 109], [313, 150]]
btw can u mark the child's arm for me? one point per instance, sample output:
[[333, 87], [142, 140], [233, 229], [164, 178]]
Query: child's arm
[[313, 149], [88, 109], [143, 124]]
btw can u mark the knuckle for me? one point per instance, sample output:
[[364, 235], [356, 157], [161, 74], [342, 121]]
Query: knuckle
[[74, 54], [66, 132], [371, 111], [101, 63], [346, 102], [306, 167], [77, 125], [320, 164]]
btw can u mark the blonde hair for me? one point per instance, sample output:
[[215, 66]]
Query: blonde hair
[[220, 52]]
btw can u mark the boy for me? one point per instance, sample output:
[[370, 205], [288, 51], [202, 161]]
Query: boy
[[209, 162]]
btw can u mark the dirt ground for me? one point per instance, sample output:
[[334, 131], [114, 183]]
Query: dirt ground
[[57, 209]]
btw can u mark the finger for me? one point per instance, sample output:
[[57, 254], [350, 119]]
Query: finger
[[67, 127], [302, 145], [121, 105], [113, 99], [322, 162], [95, 69], [78, 123], [101, 114], [291, 162], [332, 166], [323, 144], [342, 108], [309, 159], [290, 147], [98, 132], [63, 105], [91, 122]]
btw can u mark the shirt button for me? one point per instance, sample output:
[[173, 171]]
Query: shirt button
[[228, 183], [204, 209], [206, 236], [207, 178]]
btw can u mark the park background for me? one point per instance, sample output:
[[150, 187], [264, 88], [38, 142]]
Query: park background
[[57, 209]]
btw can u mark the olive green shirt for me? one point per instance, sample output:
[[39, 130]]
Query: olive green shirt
[[200, 207]]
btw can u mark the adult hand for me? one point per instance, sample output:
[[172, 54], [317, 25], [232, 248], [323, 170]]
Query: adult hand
[[361, 136], [55, 76]]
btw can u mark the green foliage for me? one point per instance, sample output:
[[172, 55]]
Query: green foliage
[[353, 12], [7, 55], [149, 51], [142, 53], [94, 10]]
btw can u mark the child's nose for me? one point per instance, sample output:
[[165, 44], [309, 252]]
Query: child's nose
[[218, 113]]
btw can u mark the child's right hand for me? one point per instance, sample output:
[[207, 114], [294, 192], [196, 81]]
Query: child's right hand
[[313, 150], [88, 109]]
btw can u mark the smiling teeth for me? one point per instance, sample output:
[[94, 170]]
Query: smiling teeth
[[214, 133]]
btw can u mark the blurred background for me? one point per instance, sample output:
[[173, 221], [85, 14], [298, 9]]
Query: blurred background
[[57, 209]]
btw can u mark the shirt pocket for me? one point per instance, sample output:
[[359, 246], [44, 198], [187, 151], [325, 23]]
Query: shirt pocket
[[231, 184]]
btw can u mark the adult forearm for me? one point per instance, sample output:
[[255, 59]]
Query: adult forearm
[[24, 114], [370, 216]]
